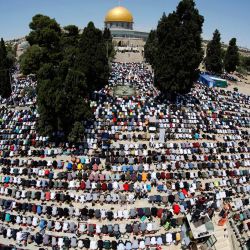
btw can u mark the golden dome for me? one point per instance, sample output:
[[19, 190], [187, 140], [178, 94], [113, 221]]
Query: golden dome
[[119, 14]]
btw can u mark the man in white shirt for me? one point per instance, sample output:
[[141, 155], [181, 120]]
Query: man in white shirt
[[19, 237], [60, 242]]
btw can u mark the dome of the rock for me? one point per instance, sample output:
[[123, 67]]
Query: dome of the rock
[[119, 14]]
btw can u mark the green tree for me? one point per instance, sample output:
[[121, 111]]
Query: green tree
[[69, 43], [92, 57], [31, 60], [61, 99], [46, 33], [150, 48], [179, 50], [5, 65], [47, 91], [62, 87], [245, 62], [231, 60], [77, 133], [11, 55], [109, 44], [213, 60], [69, 66]]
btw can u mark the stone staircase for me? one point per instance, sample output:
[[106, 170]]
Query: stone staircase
[[224, 243]]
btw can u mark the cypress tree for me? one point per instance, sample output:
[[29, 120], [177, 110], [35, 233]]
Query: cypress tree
[[92, 58], [69, 43], [3, 54], [5, 81], [150, 48], [179, 50], [213, 60], [109, 44], [231, 60]]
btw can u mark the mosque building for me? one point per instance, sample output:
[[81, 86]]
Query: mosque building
[[120, 21]]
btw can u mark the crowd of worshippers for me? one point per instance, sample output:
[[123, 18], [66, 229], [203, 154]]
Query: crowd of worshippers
[[91, 229], [201, 161], [25, 237], [85, 214], [240, 223], [23, 89], [242, 219]]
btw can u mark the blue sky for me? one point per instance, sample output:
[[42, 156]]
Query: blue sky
[[231, 17]]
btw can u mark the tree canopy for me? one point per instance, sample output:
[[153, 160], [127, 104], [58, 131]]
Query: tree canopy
[[5, 65], [213, 60], [69, 66], [92, 57], [31, 60], [231, 60], [109, 44], [178, 51], [150, 49], [245, 62]]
